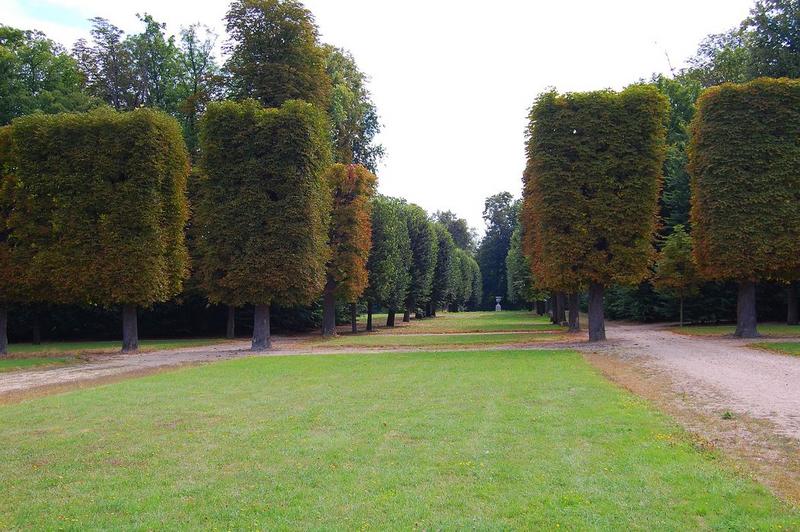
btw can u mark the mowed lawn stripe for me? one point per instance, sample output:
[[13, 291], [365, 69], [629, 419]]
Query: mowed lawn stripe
[[511, 439]]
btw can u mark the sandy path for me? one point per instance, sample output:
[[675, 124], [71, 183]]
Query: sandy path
[[722, 373]]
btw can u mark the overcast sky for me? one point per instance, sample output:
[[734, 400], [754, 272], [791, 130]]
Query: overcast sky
[[453, 79]]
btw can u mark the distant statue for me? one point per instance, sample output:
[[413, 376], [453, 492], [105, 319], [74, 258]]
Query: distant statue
[[497, 307]]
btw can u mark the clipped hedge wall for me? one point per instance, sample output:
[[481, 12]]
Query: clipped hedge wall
[[744, 159], [263, 206], [99, 206]]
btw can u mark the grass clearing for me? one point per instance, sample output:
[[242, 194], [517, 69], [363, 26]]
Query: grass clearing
[[77, 348], [766, 329], [13, 364], [440, 340], [466, 322], [786, 348], [488, 440]]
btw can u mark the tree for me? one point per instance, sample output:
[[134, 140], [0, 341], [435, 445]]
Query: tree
[[500, 214], [743, 159], [349, 238], [37, 75], [463, 235], [773, 39], [424, 247], [521, 285], [263, 209], [274, 54], [389, 259], [101, 202], [445, 271], [354, 117], [591, 190], [465, 283], [474, 302], [676, 271]]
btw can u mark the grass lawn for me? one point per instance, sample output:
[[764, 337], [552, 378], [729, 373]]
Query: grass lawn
[[12, 364], [787, 348], [107, 346], [465, 322], [767, 329], [487, 440], [440, 340]]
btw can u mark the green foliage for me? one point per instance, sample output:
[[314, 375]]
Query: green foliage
[[444, 274], [676, 271], [463, 235], [100, 206], [467, 286], [263, 209], [274, 54], [773, 37], [353, 115], [500, 213], [390, 259], [37, 75], [745, 166], [591, 186], [521, 285], [424, 249]]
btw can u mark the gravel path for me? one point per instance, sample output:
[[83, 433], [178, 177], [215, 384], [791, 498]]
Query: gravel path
[[722, 372]]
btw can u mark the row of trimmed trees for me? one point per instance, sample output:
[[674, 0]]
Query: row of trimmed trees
[[593, 179]]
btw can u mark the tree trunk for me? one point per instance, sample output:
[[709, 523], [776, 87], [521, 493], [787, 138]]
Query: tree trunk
[[130, 329], [37, 327], [353, 318], [553, 308], [369, 316], [390, 318], [432, 312], [329, 309], [681, 311], [746, 320], [597, 325], [230, 330], [574, 313], [541, 309], [792, 317], [407, 315], [3, 331], [562, 308], [261, 335]]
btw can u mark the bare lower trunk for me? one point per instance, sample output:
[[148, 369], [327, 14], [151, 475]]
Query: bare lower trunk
[[3, 331], [574, 313], [553, 308], [681, 311], [746, 320], [407, 315], [540, 308], [369, 316], [597, 325], [37, 328], [353, 318], [792, 311], [130, 329], [432, 312], [329, 309], [230, 330], [562, 308], [261, 335], [390, 318]]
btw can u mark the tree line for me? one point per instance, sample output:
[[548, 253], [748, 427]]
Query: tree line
[[135, 168]]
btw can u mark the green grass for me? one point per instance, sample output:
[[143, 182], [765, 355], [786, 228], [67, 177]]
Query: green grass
[[767, 329], [439, 340], [106, 346], [486, 440], [464, 322], [786, 348], [12, 364]]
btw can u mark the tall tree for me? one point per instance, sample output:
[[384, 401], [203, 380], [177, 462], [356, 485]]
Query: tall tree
[[463, 235], [773, 39], [445, 271], [349, 237], [102, 199], [37, 75], [424, 246], [594, 169], [521, 286], [107, 65], [676, 271], [261, 220], [274, 53], [354, 117], [744, 159], [500, 214]]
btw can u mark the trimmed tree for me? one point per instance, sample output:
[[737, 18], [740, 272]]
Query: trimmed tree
[[101, 206], [676, 271], [263, 208], [424, 246], [444, 272], [744, 159], [591, 190], [349, 237]]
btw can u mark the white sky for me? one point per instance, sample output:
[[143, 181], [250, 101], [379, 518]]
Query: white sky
[[453, 79]]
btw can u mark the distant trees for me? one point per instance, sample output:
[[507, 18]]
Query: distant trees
[[463, 235], [676, 271], [274, 53], [349, 237], [263, 208], [100, 207], [424, 248], [521, 285], [500, 214], [591, 190], [467, 287], [743, 159]]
